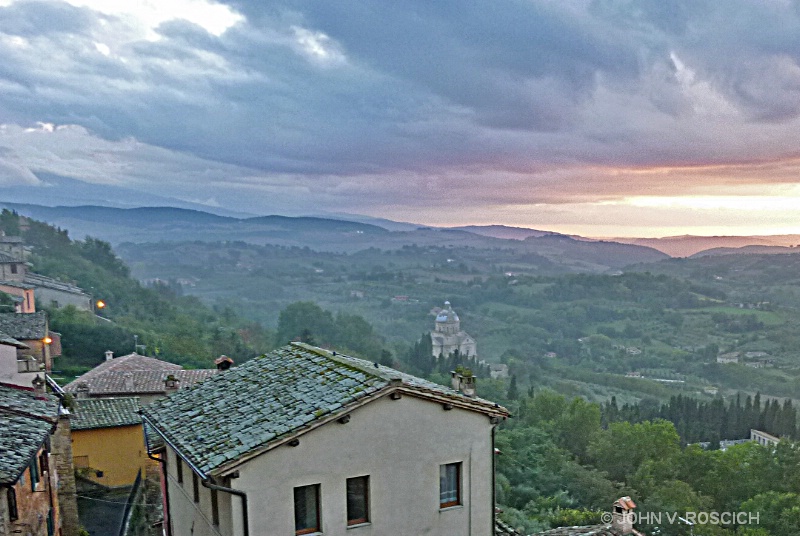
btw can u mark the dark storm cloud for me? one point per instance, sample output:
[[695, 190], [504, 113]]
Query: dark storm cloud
[[357, 99]]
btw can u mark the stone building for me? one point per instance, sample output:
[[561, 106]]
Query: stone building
[[448, 336], [308, 441]]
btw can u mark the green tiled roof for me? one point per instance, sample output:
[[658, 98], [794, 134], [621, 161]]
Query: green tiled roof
[[26, 419], [92, 413], [22, 400], [244, 409]]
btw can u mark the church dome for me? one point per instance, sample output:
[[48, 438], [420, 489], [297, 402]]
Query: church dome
[[447, 315]]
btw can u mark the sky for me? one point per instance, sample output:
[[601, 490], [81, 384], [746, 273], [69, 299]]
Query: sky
[[593, 117]]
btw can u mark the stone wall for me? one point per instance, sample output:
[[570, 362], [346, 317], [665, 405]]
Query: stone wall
[[61, 454]]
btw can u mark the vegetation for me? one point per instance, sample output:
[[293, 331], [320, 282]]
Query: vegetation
[[560, 465], [613, 380], [178, 328]]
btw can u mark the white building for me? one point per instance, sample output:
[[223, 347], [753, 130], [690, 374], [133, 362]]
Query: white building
[[16, 370], [305, 441], [448, 336]]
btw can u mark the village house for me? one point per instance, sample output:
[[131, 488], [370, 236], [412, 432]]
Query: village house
[[29, 481], [33, 331], [136, 375], [730, 357], [108, 444], [304, 441], [16, 280], [12, 369], [448, 337]]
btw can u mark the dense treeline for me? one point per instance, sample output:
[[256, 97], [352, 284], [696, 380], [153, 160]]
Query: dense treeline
[[700, 421], [563, 462]]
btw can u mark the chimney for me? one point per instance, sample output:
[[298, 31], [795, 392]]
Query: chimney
[[171, 383], [463, 381], [83, 390], [38, 385], [468, 386], [622, 515], [109, 355], [455, 380], [224, 362]]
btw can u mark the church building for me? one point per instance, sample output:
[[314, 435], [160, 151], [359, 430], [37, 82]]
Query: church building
[[449, 337]]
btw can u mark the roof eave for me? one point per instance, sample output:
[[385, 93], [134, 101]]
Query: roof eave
[[456, 402]]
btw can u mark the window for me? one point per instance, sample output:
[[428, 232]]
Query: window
[[357, 500], [449, 485], [11, 496], [13, 268], [306, 509], [44, 464], [179, 469], [195, 488], [34, 469]]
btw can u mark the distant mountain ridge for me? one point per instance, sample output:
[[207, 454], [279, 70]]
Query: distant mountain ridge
[[688, 245], [557, 253], [503, 231]]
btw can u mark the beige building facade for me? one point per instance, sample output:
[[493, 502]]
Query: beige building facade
[[402, 461]]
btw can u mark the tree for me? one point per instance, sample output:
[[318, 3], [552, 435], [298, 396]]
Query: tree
[[641, 442]]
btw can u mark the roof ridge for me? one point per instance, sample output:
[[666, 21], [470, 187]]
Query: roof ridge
[[6, 409], [346, 360]]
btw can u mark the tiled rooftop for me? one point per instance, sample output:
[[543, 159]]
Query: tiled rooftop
[[502, 529], [90, 413], [137, 382], [6, 258], [248, 407], [26, 420], [135, 374], [48, 282], [24, 326], [11, 341], [21, 400]]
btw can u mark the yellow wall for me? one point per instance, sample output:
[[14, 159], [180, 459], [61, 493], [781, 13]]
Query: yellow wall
[[118, 452]]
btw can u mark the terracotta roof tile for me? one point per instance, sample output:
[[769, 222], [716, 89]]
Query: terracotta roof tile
[[127, 380]]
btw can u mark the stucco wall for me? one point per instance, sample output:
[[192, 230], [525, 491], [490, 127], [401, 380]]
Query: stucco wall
[[118, 452], [399, 444], [53, 297], [9, 368]]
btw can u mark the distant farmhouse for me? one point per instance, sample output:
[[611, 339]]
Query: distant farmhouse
[[308, 441], [448, 337]]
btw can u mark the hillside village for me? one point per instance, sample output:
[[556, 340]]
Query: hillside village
[[306, 438]]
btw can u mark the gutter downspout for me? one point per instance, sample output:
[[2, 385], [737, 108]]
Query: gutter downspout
[[210, 485], [163, 463], [494, 482]]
